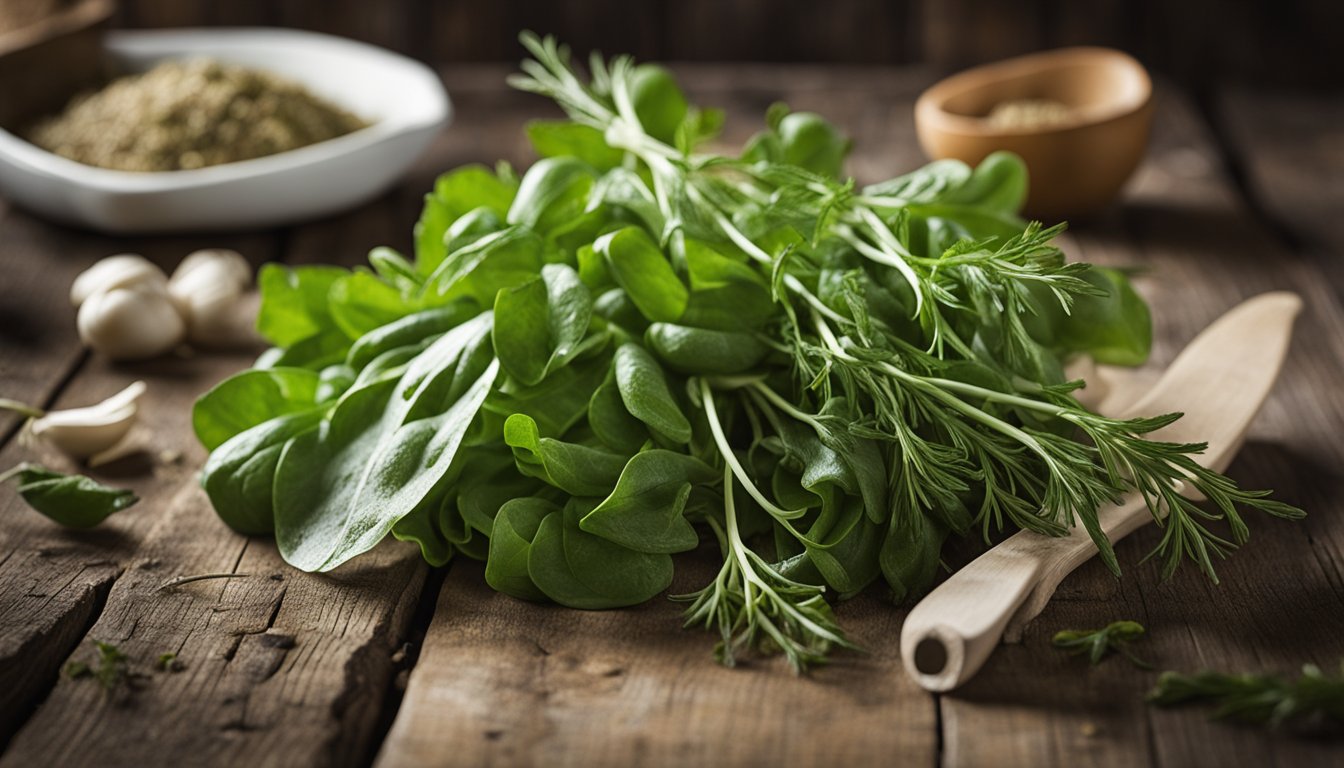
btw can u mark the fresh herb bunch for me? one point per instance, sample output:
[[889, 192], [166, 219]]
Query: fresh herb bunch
[[583, 371], [1096, 643], [1313, 700]]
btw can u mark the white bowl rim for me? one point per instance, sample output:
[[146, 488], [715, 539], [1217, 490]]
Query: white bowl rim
[[436, 109]]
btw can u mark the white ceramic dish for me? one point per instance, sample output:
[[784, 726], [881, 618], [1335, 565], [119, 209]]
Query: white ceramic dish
[[403, 99]]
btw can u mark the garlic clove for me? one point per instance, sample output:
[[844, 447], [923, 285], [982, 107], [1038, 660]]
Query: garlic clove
[[131, 323], [224, 319], [121, 271], [208, 270], [84, 432]]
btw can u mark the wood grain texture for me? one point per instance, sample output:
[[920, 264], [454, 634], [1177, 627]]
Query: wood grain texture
[[1279, 603], [52, 580], [1290, 149], [505, 682]]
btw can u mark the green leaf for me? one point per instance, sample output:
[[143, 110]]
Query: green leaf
[[700, 350], [470, 227], [386, 446], [580, 570], [659, 103], [553, 193], [812, 143], [239, 476], [1114, 326], [612, 422], [639, 267], [558, 138], [541, 324], [314, 352], [515, 528], [249, 398], [481, 270], [295, 302], [726, 294], [575, 469], [361, 301], [645, 510], [644, 391], [455, 193], [74, 501], [557, 403], [408, 330]]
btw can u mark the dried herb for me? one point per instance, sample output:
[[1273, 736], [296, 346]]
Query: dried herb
[[182, 115]]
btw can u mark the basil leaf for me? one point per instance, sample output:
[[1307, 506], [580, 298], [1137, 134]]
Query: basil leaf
[[74, 501]]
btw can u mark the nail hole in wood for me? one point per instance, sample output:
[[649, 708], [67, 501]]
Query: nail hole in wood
[[930, 656]]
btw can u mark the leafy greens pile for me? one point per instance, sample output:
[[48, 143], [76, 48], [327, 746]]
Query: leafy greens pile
[[584, 371]]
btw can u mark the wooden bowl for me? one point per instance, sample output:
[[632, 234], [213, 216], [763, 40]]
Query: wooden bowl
[[1079, 162]]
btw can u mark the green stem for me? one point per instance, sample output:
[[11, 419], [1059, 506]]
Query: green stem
[[730, 459]]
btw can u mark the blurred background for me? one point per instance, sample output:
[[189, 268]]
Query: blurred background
[[1197, 43]]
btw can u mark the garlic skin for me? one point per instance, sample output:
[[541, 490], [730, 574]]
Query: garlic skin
[[208, 290], [131, 323], [121, 271], [84, 432]]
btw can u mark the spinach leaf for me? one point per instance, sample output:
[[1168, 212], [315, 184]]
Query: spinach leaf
[[580, 570], [558, 138], [576, 469], [553, 193], [541, 323], [74, 501], [361, 301], [340, 489], [511, 537], [700, 350], [645, 510], [455, 194], [252, 397], [239, 476], [294, 302], [481, 270], [639, 267], [612, 422], [644, 391]]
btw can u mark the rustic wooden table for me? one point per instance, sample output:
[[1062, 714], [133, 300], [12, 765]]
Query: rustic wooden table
[[386, 662]]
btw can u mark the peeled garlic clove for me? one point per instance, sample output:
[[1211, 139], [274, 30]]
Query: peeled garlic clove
[[208, 270], [121, 271], [131, 323], [222, 318], [84, 432]]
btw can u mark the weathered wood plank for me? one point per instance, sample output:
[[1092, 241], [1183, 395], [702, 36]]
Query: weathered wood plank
[[505, 682], [1279, 602], [52, 580], [37, 330], [281, 667], [1290, 147]]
